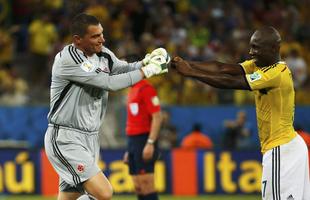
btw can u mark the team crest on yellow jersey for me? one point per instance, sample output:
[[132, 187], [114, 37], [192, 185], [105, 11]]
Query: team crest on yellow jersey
[[255, 76]]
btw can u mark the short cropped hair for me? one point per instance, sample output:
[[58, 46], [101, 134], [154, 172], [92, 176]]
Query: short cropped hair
[[81, 22]]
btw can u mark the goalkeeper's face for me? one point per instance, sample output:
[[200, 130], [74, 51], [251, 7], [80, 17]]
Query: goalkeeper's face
[[93, 40]]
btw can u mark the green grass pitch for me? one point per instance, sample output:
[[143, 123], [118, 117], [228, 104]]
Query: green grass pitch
[[162, 197]]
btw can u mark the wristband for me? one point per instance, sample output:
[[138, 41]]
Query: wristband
[[150, 141]]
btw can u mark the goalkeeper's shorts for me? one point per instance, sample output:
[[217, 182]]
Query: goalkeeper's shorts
[[73, 154]]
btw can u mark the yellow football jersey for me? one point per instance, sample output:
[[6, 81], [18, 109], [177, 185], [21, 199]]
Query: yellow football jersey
[[275, 102]]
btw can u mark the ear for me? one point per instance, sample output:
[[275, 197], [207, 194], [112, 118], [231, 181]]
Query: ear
[[77, 39], [275, 48]]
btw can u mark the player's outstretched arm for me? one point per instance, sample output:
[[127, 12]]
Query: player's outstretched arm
[[214, 78], [217, 67]]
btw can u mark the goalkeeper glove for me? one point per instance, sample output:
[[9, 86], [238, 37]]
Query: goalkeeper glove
[[146, 59], [156, 52], [157, 65]]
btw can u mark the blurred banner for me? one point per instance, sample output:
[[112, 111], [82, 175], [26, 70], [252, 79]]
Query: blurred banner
[[29, 123], [179, 172]]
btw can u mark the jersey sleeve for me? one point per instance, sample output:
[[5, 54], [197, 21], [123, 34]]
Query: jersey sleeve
[[71, 65], [248, 66], [151, 99], [261, 79], [121, 66]]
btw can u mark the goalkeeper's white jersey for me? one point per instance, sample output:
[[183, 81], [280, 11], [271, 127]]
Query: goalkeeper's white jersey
[[80, 85]]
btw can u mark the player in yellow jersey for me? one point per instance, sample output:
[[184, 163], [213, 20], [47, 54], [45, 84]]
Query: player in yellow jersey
[[285, 156]]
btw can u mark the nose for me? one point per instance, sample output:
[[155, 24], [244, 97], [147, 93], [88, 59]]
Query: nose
[[102, 40]]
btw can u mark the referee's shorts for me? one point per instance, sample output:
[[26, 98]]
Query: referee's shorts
[[138, 166]]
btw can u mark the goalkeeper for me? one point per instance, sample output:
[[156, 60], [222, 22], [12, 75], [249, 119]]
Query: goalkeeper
[[82, 75]]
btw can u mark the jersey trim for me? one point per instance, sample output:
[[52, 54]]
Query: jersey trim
[[265, 69], [244, 76], [59, 100], [107, 56], [75, 55]]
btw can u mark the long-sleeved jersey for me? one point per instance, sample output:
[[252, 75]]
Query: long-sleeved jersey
[[80, 85]]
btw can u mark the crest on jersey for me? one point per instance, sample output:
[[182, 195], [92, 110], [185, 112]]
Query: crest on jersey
[[155, 101], [87, 66], [134, 108], [255, 76]]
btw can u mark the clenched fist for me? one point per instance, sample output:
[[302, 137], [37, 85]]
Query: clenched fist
[[181, 65]]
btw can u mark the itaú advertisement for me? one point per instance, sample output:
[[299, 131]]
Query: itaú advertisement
[[179, 171], [19, 172]]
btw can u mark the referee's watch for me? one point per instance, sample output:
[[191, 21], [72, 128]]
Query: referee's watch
[[150, 141]]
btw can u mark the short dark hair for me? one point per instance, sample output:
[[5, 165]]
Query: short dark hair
[[81, 22]]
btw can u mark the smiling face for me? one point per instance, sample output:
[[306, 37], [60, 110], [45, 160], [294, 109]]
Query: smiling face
[[264, 47], [92, 41]]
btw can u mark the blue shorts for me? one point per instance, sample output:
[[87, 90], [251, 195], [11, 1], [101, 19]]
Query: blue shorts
[[137, 166]]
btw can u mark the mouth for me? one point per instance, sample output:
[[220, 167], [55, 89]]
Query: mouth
[[254, 58]]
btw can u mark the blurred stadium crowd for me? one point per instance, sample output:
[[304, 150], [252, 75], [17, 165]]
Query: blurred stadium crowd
[[32, 31]]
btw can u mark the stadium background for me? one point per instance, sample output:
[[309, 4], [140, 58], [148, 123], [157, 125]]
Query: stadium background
[[32, 31]]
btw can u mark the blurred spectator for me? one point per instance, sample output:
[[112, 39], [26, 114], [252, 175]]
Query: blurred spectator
[[6, 47], [14, 89], [138, 26], [99, 10], [304, 134], [6, 80], [168, 137], [237, 133], [197, 139], [43, 35], [298, 68]]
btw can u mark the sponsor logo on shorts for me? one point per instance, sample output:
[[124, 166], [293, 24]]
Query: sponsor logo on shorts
[[80, 168]]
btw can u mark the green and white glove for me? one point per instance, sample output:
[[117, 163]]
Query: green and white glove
[[157, 65], [156, 52], [146, 59]]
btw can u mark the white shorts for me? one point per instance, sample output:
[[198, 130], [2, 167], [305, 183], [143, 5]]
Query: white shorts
[[286, 172], [74, 156]]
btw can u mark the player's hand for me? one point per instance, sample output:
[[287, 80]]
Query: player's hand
[[148, 152], [157, 65], [125, 158], [180, 65], [157, 52]]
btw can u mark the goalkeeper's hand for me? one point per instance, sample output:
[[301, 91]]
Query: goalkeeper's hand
[[156, 52], [157, 65]]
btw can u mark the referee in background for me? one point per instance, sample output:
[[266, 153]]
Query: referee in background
[[143, 124]]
